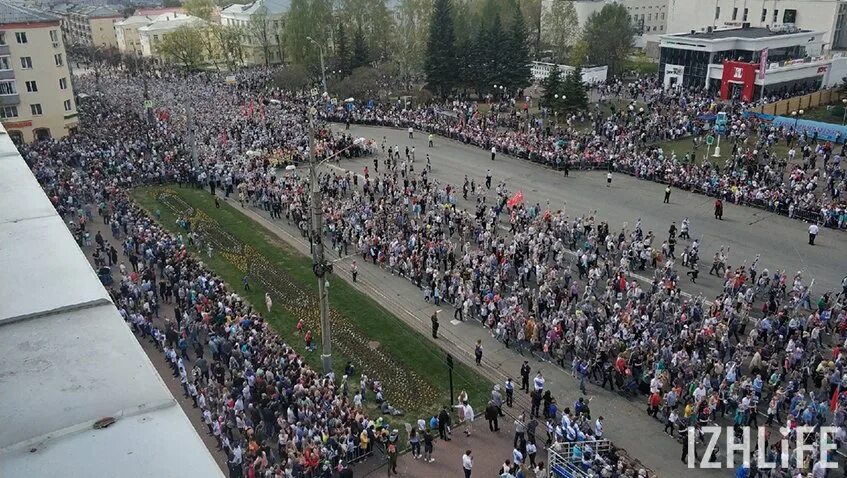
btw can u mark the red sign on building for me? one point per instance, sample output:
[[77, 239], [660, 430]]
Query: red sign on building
[[738, 77]]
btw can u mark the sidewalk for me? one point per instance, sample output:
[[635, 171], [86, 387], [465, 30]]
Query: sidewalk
[[627, 423]]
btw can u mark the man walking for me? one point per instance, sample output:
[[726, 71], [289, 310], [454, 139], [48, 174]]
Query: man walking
[[667, 194], [488, 179], [491, 416], [813, 233], [493, 152]]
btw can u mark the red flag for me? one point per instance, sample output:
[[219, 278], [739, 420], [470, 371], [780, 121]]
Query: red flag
[[833, 403], [515, 200]]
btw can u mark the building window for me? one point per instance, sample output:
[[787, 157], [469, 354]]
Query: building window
[[20, 37], [26, 62], [58, 59], [68, 105], [2, 38], [5, 63], [63, 83], [663, 15], [35, 108], [744, 19], [735, 14], [790, 16], [9, 112], [8, 88], [32, 86], [775, 15], [54, 36], [717, 12], [649, 17], [764, 15]]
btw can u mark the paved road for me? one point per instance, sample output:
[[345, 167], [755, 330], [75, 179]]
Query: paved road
[[747, 231]]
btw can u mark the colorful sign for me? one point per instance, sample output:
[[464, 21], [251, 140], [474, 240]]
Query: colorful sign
[[738, 73], [825, 131], [18, 124]]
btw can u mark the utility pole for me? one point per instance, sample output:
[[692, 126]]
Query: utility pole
[[148, 105], [319, 265], [323, 70]]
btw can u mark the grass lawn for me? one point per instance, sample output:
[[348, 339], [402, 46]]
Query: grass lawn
[[353, 313], [686, 145]]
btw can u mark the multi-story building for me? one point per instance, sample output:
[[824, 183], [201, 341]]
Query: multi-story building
[[152, 33], [126, 30], [829, 16], [749, 62], [250, 18], [90, 25], [36, 94]]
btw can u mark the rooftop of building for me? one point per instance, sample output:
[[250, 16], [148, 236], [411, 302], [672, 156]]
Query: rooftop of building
[[15, 13], [273, 6], [746, 33], [170, 21], [70, 360]]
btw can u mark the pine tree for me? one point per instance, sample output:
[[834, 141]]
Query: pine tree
[[552, 86], [440, 59], [342, 53], [518, 69], [360, 50], [573, 88]]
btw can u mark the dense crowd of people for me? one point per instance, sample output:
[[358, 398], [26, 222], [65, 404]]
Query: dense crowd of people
[[562, 287], [807, 182]]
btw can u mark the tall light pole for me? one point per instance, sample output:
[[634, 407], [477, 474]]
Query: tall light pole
[[323, 70], [319, 266]]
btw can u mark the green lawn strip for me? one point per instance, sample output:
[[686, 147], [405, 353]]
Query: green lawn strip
[[402, 343]]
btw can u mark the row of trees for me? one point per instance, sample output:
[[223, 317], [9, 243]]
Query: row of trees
[[564, 95], [484, 52]]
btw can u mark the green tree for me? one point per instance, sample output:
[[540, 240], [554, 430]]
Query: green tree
[[228, 39], [610, 35], [573, 89], [410, 37], [200, 8], [552, 86], [518, 70], [361, 56], [291, 78], [440, 59], [531, 10], [560, 29], [308, 19], [183, 46], [259, 27], [341, 50]]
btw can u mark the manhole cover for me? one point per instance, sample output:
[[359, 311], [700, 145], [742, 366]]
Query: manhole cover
[[373, 344]]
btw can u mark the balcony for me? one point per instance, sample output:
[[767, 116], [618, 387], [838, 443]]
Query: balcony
[[10, 100], [7, 74]]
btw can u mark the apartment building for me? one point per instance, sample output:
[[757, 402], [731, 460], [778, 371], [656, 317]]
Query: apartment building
[[151, 34], [36, 94], [829, 16], [126, 30], [92, 25], [243, 16]]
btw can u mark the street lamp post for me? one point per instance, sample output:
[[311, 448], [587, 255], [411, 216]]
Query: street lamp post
[[323, 71], [319, 265], [844, 107]]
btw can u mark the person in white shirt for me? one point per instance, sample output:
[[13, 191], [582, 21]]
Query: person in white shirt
[[813, 233], [469, 415], [517, 457], [598, 428], [539, 382], [467, 463], [493, 152]]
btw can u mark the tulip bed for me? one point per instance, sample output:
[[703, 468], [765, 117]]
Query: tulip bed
[[411, 369]]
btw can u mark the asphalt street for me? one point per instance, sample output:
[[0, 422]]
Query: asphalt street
[[746, 231]]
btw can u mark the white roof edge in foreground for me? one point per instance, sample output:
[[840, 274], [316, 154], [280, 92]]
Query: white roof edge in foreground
[[69, 359]]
